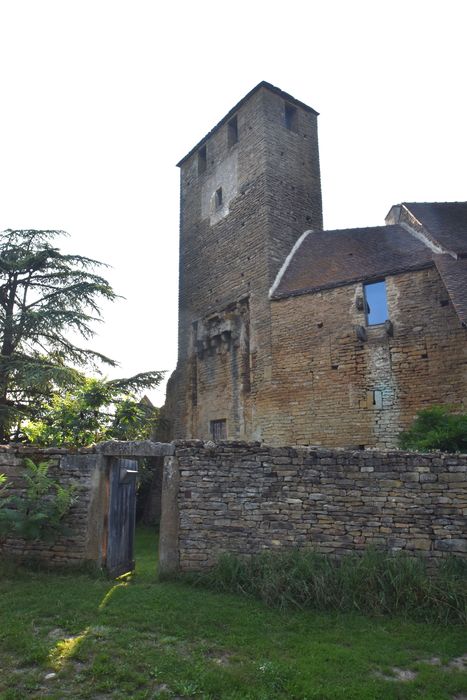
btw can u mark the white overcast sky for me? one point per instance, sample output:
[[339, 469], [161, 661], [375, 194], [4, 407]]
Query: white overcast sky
[[100, 99]]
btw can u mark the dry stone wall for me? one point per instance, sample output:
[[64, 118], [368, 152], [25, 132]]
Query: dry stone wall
[[83, 471], [245, 498]]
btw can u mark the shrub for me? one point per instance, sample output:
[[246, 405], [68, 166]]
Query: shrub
[[39, 513], [373, 583], [436, 428]]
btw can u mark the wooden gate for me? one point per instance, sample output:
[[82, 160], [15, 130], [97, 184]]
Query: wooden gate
[[121, 516]]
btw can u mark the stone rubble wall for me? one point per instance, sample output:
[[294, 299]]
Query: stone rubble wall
[[333, 389], [245, 498], [79, 468]]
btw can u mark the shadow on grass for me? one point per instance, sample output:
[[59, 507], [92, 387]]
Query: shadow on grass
[[138, 638]]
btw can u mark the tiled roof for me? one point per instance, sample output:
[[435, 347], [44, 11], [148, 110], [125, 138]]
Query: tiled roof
[[328, 259], [454, 275], [444, 222]]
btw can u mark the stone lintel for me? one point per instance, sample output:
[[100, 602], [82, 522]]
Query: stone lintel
[[135, 448]]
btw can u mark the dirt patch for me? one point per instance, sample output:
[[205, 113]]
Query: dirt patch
[[398, 674], [406, 674], [460, 663], [220, 658]]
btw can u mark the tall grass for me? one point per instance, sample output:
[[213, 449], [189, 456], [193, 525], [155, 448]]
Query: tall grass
[[373, 583]]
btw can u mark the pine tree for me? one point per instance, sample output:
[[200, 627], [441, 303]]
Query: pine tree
[[45, 295]]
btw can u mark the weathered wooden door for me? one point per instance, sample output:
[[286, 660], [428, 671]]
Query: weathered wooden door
[[122, 512]]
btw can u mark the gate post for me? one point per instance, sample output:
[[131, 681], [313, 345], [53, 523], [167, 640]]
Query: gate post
[[169, 562]]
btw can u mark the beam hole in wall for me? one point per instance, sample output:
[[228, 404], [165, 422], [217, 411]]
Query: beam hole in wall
[[334, 366], [291, 117], [202, 160], [232, 132], [424, 355], [444, 302]]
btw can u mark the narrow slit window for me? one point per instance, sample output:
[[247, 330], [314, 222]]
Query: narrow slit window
[[376, 304], [232, 131], [218, 198], [202, 160], [291, 117], [219, 430]]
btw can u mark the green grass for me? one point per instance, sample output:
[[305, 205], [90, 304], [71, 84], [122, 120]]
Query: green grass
[[138, 638], [373, 582]]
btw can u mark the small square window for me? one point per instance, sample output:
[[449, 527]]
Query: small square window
[[218, 198], [232, 131], [291, 117], [219, 430], [376, 304], [202, 160]]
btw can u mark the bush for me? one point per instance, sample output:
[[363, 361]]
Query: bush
[[436, 428], [39, 513], [373, 583]]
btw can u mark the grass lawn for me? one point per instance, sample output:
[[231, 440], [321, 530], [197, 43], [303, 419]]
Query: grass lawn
[[64, 636]]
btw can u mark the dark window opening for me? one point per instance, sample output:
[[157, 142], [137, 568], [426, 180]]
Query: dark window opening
[[232, 131], [202, 160], [291, 117], [444, 302], [376, 304], [377, 398], [194, 369], [219, 430], [218, 198]]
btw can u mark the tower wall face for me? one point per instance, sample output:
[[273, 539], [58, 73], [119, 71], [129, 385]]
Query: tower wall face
[[246, 195]]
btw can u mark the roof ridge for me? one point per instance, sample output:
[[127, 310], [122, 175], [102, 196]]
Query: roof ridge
[[355, 228], [456, 201]]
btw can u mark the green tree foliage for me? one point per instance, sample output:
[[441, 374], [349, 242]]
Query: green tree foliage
[[96, 410], [39, 513], [436, 428], [44, 295]]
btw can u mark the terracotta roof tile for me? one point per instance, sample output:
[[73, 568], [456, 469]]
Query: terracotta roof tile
[[328, 259], [444, 222], [454, 275]]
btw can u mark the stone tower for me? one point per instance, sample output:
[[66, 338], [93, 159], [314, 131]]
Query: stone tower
[[248, 190]]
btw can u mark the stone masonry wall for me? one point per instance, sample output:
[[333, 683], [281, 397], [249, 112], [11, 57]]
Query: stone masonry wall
[[246, 498], [230, 254], [79, 469], [329, 387]]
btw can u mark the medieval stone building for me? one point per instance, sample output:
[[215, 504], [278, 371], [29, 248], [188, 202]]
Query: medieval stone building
[[294, 335]]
